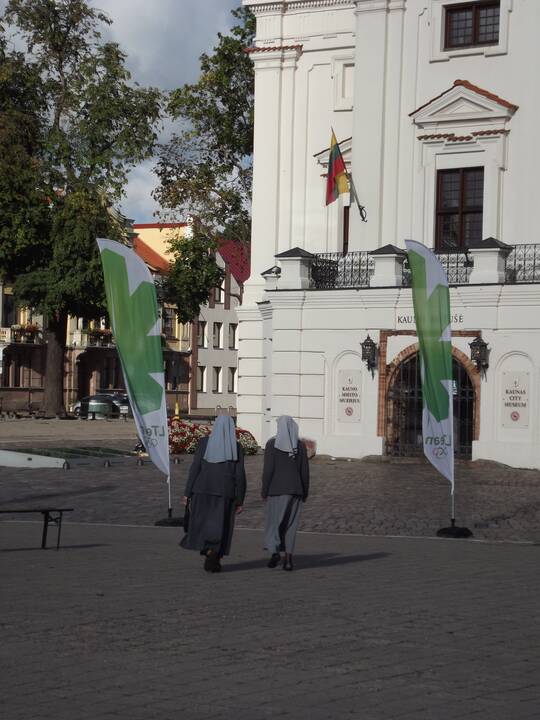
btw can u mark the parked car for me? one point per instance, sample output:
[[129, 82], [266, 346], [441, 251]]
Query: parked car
[[102, 405]]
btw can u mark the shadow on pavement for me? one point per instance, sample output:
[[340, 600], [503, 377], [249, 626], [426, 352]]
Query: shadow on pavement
[[61, 493], [305, 562], [53, 547]]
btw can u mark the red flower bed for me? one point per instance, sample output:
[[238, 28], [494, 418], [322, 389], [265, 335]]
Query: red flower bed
[[184, 436]]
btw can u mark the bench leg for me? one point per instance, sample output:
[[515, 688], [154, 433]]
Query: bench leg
[[45, 528], [59, 523]]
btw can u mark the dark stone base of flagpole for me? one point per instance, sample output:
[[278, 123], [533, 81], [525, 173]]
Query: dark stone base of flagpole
[[170, 522], [454, 532]]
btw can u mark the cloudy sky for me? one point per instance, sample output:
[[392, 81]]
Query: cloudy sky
[[163, 40]]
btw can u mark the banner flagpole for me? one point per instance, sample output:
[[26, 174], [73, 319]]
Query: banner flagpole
[[134, 316], [431, 302]]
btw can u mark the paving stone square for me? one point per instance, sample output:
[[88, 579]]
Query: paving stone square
[[379, 620], [121, 622]]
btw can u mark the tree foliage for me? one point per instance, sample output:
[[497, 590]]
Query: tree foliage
[[71, 126], [205, 171]]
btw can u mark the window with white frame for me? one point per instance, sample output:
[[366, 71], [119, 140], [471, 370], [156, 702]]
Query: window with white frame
[[472, 24], [218, 294], [457, 191], [476, 27], [459, 208]]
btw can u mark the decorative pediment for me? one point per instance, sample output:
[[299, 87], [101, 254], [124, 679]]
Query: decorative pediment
[[464, 104], [346, 150]]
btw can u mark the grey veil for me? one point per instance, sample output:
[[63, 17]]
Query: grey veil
[[222, 442], [287, 435]]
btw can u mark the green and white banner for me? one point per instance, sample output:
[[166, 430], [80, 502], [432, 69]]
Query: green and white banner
[[133, 311], [431, 300]]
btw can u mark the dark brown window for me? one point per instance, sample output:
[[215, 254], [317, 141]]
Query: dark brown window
[[470, 24], [216, 380], [201, 334], [231, 384], [460, 204], [201, 384], [232, 336], [217, 337]]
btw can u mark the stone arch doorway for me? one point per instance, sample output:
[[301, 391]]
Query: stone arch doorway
[[403, 436]]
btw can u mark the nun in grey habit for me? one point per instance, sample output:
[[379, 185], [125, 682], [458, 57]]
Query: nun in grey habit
[[215, 491], [285, 485]]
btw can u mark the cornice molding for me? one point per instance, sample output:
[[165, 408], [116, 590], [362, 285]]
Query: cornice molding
[[269, 7]]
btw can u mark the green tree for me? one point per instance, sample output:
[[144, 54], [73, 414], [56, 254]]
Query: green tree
[[83, 126], [205, 171]]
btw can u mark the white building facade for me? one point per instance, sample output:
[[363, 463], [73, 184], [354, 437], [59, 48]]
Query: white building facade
[[435, 104]]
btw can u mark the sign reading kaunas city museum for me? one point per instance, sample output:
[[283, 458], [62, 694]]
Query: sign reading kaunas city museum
[[515, 398]]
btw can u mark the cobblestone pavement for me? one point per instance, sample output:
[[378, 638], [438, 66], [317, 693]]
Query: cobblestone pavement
[[361, 496], [122, 623]]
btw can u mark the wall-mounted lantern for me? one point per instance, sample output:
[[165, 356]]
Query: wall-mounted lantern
[[369, 354], [480, 354]]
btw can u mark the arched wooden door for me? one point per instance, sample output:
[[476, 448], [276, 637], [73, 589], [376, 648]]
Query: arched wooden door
[[404, 410]]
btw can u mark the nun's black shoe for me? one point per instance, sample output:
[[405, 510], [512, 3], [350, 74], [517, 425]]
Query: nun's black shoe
[[274, 560], [211, 562], [287, 563]]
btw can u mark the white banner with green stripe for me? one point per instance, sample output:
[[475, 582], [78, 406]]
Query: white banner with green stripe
[[133, 312], [431, 300]]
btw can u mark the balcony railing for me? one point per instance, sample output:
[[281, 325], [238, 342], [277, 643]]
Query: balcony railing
[[92, 338], [10, 335], [331, 271], [523, 264], [457, 266]]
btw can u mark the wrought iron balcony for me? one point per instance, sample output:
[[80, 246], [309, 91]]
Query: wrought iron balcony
[[523, 264], [330, 271], [334, 271], [457, 265]]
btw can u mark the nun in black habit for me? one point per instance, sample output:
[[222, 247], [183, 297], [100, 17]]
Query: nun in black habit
[[285, 485], [215, 491]]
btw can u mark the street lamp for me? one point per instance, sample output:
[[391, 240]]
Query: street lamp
[[479, 354], [369, 354]]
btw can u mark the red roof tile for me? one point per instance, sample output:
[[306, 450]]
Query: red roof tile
[[236, 255], [251, 50], [452, 137], [144, 226], [474, 88], [150, 257]]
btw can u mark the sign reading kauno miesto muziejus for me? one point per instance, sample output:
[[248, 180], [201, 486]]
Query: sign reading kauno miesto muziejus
[[133, 311], [431, 302], [349, 401]]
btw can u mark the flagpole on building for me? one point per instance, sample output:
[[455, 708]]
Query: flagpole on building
[[352, 188], [361, 209]]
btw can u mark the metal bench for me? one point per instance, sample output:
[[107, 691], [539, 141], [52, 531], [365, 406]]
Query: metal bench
[[50, 515]]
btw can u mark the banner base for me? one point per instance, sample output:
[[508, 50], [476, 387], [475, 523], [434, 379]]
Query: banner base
[[454, 532], [170, 522]]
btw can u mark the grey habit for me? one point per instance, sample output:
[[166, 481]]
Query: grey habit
[[285, 484], [216, 485]]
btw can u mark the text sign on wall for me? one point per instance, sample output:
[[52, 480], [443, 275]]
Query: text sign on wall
[[407, 320], [515, 399], [348, 395]]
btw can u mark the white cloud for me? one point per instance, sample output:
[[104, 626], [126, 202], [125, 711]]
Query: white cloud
[[163, 41]]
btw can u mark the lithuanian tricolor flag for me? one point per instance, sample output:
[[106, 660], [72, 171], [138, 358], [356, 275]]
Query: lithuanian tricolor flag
[[336, 180]]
